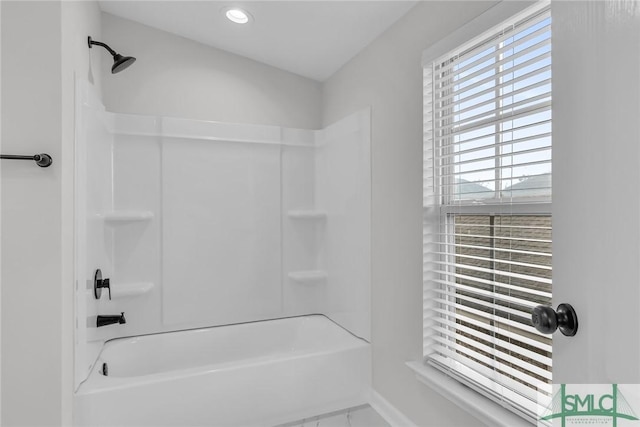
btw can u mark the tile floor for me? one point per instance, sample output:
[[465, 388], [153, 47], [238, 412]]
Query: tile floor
[[360, 416]]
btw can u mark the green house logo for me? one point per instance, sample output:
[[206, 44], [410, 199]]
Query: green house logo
[[589, 408]]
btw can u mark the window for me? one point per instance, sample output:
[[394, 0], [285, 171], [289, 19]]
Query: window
[[487, 203]]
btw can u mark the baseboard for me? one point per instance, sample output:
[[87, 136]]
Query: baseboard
[[389, 412]]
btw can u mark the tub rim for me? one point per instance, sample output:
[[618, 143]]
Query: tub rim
[[125, 381], [232, 324]]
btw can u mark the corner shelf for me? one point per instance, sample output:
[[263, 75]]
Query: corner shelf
[[127, 216], [308, 276], [307, 214], [126, 290]]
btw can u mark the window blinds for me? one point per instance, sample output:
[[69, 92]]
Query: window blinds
[[487, 225]]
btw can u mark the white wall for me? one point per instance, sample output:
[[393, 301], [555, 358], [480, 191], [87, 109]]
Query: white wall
[[0, 219], [79, 19], [40, 53], [387, 75], [176, 77], [596, 209], [31, 217]]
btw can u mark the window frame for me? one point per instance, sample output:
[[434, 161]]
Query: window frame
[[440, 211]]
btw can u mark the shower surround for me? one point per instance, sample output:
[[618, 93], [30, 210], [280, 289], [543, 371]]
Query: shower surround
[[200, 224]]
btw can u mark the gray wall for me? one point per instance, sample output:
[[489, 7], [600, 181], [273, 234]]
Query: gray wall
[[31, 201], [43, 48], [388, 76], [595, 173], [177, 77]]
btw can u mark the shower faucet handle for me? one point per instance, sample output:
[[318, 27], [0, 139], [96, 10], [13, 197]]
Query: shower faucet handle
[[99, 283]]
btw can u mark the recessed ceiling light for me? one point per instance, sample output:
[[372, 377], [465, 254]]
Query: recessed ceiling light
[[238, 16]]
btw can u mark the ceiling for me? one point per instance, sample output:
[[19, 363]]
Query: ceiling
[[310, 38]]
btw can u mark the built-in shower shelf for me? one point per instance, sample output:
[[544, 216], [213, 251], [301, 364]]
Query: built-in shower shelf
[[127, 216], [308, 276], [307, 214], [127, 290]]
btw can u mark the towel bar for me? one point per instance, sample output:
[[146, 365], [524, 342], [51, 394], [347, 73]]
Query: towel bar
[[43, 160]]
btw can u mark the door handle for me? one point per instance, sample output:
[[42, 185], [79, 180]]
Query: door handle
[[546, 320]]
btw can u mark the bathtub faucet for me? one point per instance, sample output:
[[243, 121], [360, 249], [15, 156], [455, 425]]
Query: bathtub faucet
[[110, 320]]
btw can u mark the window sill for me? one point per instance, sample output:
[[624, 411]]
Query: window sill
[[485, 410]]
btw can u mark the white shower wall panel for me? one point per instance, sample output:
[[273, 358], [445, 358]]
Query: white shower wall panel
[[94, 167], [343, 189], [137, 244], [220, 231], [301, 239]]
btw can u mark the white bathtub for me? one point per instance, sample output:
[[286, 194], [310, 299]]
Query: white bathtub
[[252, 374]]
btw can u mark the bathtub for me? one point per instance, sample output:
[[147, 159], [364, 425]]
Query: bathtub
[[252, 374]]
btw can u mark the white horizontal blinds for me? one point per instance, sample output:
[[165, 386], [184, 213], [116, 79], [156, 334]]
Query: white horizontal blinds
[[486, 294], [492, 116], [487, 162], [430, 224]]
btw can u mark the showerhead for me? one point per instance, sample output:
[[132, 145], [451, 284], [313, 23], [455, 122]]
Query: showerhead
[[119, 62]]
